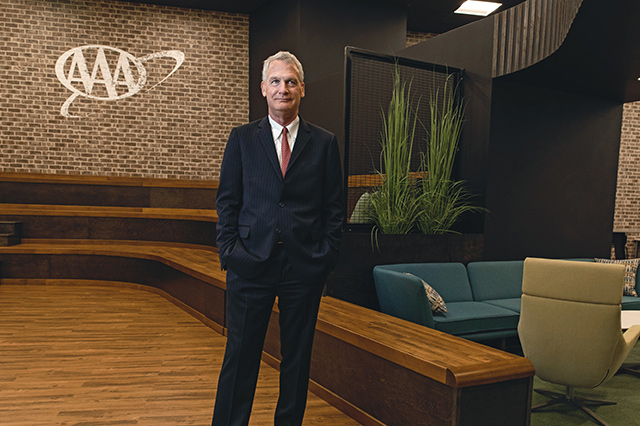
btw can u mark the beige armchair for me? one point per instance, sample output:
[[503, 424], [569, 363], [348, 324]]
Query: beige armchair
[[570, 326]]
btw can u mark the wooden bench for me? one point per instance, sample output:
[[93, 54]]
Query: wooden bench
[[53, 189], [117, 208], [401, 373], [378, 369], [203, 215]]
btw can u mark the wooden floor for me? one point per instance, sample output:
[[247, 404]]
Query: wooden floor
[[96, 355]]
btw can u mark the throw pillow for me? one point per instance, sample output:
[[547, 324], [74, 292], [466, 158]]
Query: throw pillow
[[631, 269], [436, 302]]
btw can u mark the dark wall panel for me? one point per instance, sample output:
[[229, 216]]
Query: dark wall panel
[[552, 173]]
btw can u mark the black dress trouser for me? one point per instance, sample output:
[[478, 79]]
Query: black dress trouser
[[249, 307]]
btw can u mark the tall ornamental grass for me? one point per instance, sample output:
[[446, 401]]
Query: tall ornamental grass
[[395, 204], [442, 199]]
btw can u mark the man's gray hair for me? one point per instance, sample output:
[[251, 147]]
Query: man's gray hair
[[286, 57]]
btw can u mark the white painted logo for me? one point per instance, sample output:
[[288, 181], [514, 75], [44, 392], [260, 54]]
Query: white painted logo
[[127, 79]]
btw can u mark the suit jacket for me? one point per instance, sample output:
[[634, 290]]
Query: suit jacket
[[257, 207]]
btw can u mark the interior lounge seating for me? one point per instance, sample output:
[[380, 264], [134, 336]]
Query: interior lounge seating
[[479, 302], [570, 327], [476, 309]]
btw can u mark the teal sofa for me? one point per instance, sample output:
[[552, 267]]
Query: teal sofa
[[482, 298]]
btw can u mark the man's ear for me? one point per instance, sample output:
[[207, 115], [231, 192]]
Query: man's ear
[[264, 92], [302, 91]]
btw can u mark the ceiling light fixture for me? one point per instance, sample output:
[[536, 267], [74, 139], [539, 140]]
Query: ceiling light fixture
[[477, 8]]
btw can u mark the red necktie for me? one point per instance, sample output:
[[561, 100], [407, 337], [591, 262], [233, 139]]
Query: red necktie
[[286, 151]]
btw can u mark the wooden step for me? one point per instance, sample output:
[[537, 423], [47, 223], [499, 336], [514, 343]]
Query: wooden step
[[362, 359], [198, 261], [196, 226], [32, 188], [203, 215]]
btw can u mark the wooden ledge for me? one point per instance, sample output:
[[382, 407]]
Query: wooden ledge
[[453, 361], [108, 211], [447, 359], [198, 261], [381, 369], [106, 180]]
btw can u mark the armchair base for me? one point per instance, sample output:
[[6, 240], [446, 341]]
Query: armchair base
[[576, 401]]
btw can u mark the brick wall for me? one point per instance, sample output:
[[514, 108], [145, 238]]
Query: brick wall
[[414, 37], [627, 212], [176, 130]]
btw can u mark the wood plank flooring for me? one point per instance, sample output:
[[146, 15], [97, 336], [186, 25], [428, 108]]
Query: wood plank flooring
[[97, 355]]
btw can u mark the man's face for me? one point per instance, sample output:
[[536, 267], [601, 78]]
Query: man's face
[[283, 90]]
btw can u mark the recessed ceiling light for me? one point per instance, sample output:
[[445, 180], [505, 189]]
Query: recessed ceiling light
[[477, 8]]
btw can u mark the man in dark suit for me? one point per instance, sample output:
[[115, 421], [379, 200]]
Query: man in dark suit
[[280, 214]]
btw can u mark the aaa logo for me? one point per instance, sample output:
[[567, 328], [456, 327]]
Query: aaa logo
[[128, 77]]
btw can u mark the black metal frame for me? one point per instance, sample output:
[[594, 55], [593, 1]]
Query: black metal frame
[[350, 54]]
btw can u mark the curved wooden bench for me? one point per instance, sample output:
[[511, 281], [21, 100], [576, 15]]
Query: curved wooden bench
[[42, 188], [199, 261], [401, 373], [195, 226], [203, 215], [378, 369]]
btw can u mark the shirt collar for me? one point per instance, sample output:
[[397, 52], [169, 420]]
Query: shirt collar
[[292, 128]]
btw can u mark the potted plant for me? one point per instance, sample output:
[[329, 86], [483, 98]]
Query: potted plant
[[442, 199], [412, 211], [394, 205], [428, 201]]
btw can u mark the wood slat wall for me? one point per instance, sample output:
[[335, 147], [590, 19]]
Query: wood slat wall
[[529, 32]]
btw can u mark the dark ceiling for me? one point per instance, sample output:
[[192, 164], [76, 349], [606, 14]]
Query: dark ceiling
[[430, 16]]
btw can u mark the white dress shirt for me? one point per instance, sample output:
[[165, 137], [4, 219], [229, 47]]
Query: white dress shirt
[[276, 129]]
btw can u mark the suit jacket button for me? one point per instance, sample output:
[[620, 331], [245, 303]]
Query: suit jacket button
[[278, 230], [281, 204]]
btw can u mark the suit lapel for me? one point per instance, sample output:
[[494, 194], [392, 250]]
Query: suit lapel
[[301, 142], [265, 138]]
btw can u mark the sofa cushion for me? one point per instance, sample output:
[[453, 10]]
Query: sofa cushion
[[513, 304], [491, 280], [475, 317], [631, 269], [436, 303], [449, 279]]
